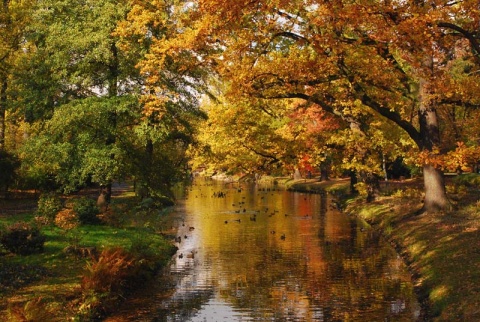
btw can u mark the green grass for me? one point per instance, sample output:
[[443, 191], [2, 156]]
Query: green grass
[[55, 275], [441, 250]]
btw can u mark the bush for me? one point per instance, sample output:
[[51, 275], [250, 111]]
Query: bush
[[86, 210], [103, 281], [49, 205], [34, 310], [468, 179], [108, 273], [66, 219], [23, 239]]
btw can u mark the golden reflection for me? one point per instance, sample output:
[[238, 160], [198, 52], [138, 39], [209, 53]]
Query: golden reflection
[[289, 256]]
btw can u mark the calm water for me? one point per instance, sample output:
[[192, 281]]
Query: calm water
[[260, 254]]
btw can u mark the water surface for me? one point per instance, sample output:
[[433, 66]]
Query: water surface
[[256, 253]]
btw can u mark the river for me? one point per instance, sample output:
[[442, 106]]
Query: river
[[249, 252]]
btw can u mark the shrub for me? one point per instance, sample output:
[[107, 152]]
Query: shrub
[[108, 273], [104, 279], [86, 210], [23, 239], [66, 219], [34, 310], [468, 180], [114, 216], [148, 259], [49, 205]]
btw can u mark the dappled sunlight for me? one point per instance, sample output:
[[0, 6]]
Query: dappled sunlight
[[439, 293], [442, 249]]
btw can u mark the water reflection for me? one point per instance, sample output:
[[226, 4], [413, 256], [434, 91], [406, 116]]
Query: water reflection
[[260, 254]]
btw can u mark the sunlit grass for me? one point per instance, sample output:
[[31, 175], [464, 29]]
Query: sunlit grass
[[441, 248], [60, 273]]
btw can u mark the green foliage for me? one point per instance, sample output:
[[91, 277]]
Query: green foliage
[[22, 238], [72, 148], [147, 258], [86, 210], [49, 204], [468, 179]]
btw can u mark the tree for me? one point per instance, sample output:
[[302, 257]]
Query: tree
[[72, 54], [14, 17], [69, 151], [389, 56], [171, 88]]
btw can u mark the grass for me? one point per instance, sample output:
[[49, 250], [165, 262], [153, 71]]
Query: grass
[[55, 276], [442, 250], [335, 186]]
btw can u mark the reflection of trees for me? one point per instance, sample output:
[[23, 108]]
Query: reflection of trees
[[360, 277], [334, 272], [184, 306]]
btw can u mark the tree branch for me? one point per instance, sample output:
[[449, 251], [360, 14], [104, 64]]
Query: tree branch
[[470, 36]]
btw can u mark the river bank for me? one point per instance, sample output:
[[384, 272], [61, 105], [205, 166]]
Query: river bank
[[84, 271], [441, 250]]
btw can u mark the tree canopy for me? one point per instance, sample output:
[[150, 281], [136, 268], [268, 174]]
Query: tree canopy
[[346, 84], [394, 59]]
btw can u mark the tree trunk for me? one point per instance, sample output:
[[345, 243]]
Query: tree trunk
[[112, 92], [435, 191], [353, 181], [3, 113], [435, 195], [324, 173]]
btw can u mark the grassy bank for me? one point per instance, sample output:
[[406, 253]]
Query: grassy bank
[[86, 270], [441, 249], [335, 186]]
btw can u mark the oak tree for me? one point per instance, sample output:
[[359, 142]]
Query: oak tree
[[392, 57]]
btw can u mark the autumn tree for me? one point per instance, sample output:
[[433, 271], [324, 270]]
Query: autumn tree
[[248, 136], [14, 17], [170, 88], [392, 57], [91, 113]]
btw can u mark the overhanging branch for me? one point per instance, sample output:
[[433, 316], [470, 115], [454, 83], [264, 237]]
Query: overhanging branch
[[468, 35]]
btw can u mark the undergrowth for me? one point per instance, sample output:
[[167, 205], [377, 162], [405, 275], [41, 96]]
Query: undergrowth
[[88, 264]]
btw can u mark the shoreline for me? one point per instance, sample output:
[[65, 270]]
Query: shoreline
[[439, 249], [354, 206]]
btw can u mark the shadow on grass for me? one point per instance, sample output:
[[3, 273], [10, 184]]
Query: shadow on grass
[[442, 251]]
